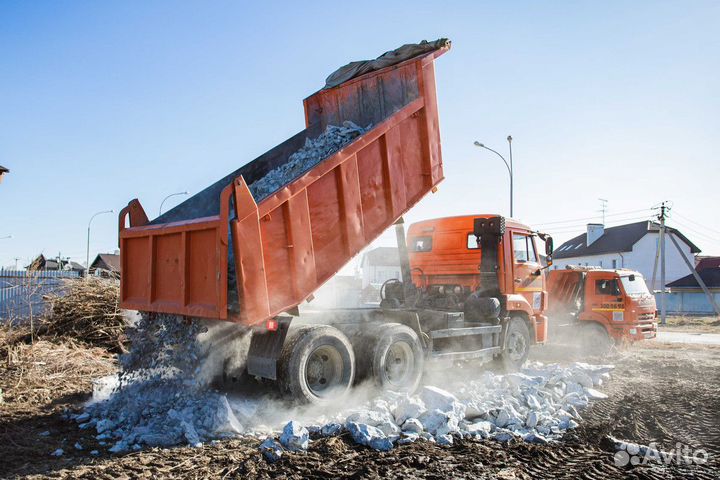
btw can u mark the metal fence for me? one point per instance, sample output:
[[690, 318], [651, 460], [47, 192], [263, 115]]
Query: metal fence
[[688, 302], [22, 292]]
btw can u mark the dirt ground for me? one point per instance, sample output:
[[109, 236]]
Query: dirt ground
[[659, 393]]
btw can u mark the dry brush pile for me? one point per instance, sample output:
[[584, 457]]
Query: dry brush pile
[[32, 375], [88, 311], [73, 344]]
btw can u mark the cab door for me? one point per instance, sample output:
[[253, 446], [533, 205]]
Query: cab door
[[526, 264], [604, 297]]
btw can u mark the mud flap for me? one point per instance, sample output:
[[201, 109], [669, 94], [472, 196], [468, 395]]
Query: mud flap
[[265, 349]]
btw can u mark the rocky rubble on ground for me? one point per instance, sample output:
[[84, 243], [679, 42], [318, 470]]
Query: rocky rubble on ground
[[536, 405], [313, 152], [161, 399]]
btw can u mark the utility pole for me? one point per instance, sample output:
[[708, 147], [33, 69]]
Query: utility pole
[[695, 274], [664, 210]]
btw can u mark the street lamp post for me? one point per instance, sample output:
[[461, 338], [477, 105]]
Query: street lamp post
[[87, 258], [171, 195], [508, 165]]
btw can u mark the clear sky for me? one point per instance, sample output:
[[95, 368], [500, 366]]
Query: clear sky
[[102, 102]]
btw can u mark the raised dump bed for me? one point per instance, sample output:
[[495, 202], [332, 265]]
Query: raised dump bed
[[235, 254]]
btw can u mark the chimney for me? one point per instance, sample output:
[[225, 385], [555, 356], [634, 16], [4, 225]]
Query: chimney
[[594, 231]]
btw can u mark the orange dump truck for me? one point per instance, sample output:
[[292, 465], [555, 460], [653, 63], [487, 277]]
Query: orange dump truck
[[231, 253], [608, 305]]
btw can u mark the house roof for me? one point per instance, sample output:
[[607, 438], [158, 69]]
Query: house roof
[[385, 256], [42, 263], [708, 262], [710, 276], [107, 261], [614, 239], [3, 169]]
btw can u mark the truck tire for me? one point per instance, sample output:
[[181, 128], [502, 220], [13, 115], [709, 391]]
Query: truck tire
[[595, 339], [397, 358], [316, 365], [517, 345]]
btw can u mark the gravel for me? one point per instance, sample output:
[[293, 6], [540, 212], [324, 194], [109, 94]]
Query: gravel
[[313, 152]]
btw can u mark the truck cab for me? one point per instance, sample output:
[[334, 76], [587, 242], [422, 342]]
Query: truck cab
[[467, 262], [618, 300]]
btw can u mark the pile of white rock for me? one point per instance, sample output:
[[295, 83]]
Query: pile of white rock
[[313, 152], [537, 405], [159, 397]]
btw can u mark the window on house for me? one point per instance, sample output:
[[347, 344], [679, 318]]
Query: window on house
[[614, 263]]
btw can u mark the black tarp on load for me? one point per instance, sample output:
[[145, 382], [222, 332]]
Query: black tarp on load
[[393, 57]]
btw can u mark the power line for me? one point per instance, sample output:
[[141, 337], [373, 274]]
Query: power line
[[578, 226], [696, 223], [591, 218], [697, 232]]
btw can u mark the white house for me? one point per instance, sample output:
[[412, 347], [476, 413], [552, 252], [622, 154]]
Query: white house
[[380, 264], [630, 246]]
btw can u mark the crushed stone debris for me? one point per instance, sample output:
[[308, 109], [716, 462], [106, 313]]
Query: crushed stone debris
[[160, 398], [295, 437], [313, 152], [271, 449]]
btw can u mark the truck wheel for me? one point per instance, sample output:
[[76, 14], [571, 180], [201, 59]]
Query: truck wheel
[[317, 365], [517, 345], [397, 358], [595, 339]]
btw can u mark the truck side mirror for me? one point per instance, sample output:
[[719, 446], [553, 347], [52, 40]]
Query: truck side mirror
[[549, 246]]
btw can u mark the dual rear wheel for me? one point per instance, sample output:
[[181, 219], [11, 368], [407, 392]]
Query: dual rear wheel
[[318, 363]]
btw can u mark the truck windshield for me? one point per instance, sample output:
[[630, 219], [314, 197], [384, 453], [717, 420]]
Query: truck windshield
[[636, 286]]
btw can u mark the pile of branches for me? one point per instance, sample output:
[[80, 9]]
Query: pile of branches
[[88, 311], [32, 375]]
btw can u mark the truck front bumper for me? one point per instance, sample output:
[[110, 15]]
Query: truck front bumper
[[637, 331]]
